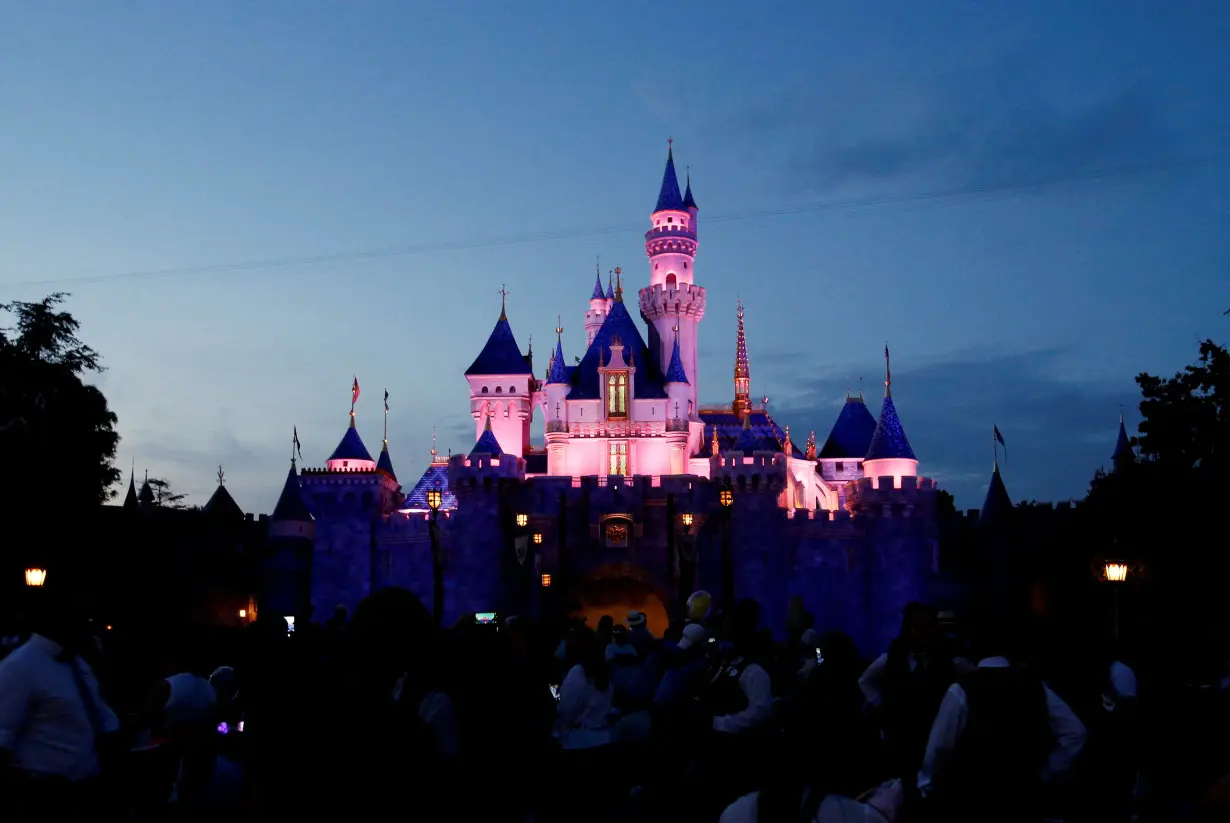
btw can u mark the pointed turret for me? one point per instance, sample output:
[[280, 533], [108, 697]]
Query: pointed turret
[[384, 463], [890, 453], [500, 354], [1123, 454], [810, 452], [669, 198], [998, 503], [674, 371], [689, 202], [486, 443], [130, 499], [222, 506], [351, 454], [743, 371], [598, 294], [559, 370], [290, 507], [610, 286], [146, 498]]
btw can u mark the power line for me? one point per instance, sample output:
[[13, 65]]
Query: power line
[[570, 234]]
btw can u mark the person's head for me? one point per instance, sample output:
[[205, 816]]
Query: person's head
[[339, 613], [918, 626], [389, 629], [60, 619], [619, 635], [585, 649], [742, 625], [996, 634], [636, 620], [698, 606], [605, 624]]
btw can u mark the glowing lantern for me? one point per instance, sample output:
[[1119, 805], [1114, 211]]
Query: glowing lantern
[[434, 499], [727, 498], [687, 518], [1115, 572], [537, 537], [243, 612], [546, 581], [36, 577], [522, 519]]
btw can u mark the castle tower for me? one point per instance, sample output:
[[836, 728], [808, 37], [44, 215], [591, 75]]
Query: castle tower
[[598, 308], [889, 453], [500, 381], [743, 372], [556, 390], [998, 503], [672, 299], [286, 570]]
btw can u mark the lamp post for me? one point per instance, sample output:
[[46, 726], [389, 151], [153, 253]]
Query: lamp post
[[727, 498], [434, 498], [36, 577], [1115, 572]]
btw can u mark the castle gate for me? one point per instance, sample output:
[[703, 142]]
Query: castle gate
[[617, 589]]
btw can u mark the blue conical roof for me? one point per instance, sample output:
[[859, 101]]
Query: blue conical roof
[[558, 372], [486, 443], [1123, 446], [998, 502], [674, 371], [501, 354], [889, 440], [385, 463], [290, 505], [598, 293], [130, 499], [610, 288], [351, 446], [669, 197], [222, 505], [689, 202], [618, 323], [851, 435]]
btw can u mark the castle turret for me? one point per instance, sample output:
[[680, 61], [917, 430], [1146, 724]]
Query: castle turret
[[598, 308], [501, 381], [678, 394], [841, 457], [221, 506], [286, 570], [384, 463], [743, 371], [145, 499], [672, 299], [998, 504], [556, 391], [889, 454], [130, 499], [1123, 455]]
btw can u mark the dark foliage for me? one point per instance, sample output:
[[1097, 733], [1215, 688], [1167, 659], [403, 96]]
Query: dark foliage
[[57, 434]]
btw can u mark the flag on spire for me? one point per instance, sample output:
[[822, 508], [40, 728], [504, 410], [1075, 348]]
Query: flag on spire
[[999, 438], [386, 397], [354, 393], [888, 372], [295, 446]]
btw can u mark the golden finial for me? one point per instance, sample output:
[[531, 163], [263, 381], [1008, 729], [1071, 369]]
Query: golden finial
[[619, 287]]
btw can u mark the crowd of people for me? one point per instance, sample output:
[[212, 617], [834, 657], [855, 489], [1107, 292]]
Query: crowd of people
[[382, 713]]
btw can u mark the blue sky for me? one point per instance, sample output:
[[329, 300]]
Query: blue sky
[[1028, 201]]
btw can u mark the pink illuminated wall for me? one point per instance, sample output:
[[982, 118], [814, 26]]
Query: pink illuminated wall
[[894, 467]]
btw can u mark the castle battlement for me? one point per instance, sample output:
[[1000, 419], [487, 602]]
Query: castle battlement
[[758, 471], [877, 497], [465, 473], [685, 299]]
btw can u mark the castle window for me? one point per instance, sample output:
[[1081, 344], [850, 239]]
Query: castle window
[[484, 389], [499, 389], [617, 394], [619, 459], [841, 466], [512, 389]]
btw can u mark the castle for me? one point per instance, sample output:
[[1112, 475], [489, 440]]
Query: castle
[[640, 495]]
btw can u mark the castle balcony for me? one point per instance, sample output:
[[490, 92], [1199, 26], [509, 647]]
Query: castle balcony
[[678, 425], [557, 426]]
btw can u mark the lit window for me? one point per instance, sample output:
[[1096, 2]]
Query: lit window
[[670, 280], [617, 394], [619, 459]]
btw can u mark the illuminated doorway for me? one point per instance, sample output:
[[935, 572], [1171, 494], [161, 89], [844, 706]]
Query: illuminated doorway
[[617, 594]]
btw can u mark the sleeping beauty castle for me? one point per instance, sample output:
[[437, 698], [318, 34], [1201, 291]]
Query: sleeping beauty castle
[[640, 493]]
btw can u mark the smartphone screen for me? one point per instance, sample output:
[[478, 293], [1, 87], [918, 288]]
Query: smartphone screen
[[819, 657], [555, 692]]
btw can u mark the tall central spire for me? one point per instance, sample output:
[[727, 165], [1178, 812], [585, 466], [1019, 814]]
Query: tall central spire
[[743, 373]]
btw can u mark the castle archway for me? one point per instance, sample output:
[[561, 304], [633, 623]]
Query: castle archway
[[617, 590]]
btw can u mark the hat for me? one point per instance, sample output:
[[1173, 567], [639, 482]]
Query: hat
[[693, 633], [698, 605], [635, 619]]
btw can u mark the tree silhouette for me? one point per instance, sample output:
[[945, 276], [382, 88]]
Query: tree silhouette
[[57, 434], [1186, 422], [164, 496]]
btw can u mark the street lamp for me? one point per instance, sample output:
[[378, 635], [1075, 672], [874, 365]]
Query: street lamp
[[1115, 572], [538, 537], [522, 520], [727, 498], [546, 581], [686, 517], [36, 577], [434, 498]]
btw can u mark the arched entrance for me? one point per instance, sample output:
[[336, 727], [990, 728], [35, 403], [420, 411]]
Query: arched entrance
[[617, 590]]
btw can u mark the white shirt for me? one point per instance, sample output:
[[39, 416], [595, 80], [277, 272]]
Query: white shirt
[[1067, 729], [758, 689], [583, 714], [43, 721]]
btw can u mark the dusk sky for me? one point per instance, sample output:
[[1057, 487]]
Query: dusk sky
[[252, 202]]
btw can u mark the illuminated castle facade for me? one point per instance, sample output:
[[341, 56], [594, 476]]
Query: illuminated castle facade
[[627, 483]]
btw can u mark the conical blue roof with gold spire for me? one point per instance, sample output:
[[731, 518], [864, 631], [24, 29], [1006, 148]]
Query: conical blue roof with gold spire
[[351, 447], [500, 354], [674, 371], [1123, 446], [669, 197], [889, 440], [558, 373], [598, 294], [384, 463], [486, 443]]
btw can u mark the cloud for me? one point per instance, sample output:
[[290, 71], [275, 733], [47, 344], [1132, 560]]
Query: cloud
[[1057, 431], [985, 126]]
